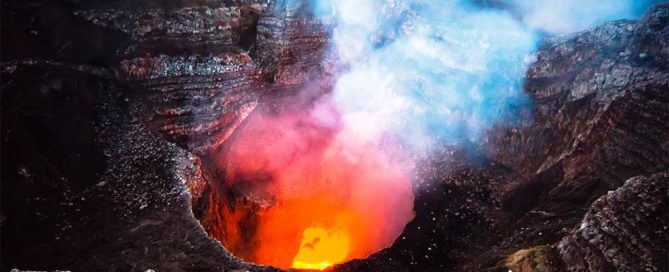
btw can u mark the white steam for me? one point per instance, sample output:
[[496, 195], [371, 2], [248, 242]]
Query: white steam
[[567, 16], [444, 70]]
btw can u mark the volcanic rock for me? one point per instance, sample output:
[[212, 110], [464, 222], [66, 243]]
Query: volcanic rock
[[111, 111], [624, 230], [599, 119], [600, 113]]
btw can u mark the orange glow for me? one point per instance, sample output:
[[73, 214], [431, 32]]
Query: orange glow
[[313, 195], [320, 249]]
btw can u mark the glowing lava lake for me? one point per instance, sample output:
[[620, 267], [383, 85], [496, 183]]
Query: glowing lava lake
[[299, 192]]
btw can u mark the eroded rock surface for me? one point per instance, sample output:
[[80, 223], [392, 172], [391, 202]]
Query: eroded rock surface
[[600, 118], [624, 230], [110, 111]]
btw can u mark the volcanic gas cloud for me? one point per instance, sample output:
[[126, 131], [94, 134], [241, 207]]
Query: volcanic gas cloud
[[322, 194], [322, 184]]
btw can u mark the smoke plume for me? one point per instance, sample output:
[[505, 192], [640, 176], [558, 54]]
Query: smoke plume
[[331, 181], [445, 70]]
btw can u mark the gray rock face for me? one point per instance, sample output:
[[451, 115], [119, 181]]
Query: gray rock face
[[196, 101], [85, 187], [600, 118], [199, 29], [600, 113], [234, 55], [93, 115], [624, 230]]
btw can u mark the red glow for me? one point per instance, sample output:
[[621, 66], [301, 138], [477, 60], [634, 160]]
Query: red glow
[[326, 196]]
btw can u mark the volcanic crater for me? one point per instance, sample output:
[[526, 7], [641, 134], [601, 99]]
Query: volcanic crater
[[206, 136]]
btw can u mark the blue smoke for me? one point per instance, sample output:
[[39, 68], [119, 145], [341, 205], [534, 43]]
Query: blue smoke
[[444, 70], [568, 16]]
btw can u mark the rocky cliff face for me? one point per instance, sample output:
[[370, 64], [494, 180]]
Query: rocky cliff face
[[599, 119], [111, 111], [624, 230], [593, 68], [199, 71], [600, 113]]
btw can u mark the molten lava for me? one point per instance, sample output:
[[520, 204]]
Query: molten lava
[[320, 249], [305, 192]]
